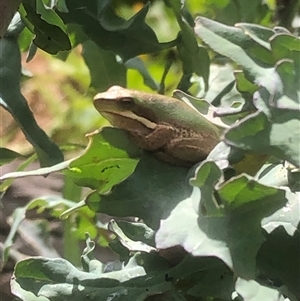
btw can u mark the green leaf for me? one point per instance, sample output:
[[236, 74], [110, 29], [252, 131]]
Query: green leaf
[[194, 58], [137, 64], [107, 71], [49, 15], [109, 158], [111, 32], [150, 193], [291, 88], [243, 84], [216, 282], [207, 178], [286, 46], [282, 265], [49, 29], [238, 10], [204, 277], [7, 155], [242, 190], [258, 33], [138, 231], [13, 101], [131, 245]]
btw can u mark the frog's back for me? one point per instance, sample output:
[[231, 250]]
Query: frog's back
[[177, 112]]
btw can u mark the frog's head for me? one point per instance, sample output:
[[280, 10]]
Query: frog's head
[[123, 109]]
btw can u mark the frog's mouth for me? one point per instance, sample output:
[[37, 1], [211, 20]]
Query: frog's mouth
[[128, 120]]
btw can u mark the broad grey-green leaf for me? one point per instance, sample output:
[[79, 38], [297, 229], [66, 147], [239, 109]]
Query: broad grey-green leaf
[[279, 138], [287, 216], [233, 43], [198, 234], [57, 279], [251, 290], [242, 190], [88, 261], [202, 106], [236, 237], [15, 27], [221, 91], [258, 33]]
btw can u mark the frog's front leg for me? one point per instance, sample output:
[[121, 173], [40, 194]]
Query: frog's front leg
[[160, 136]]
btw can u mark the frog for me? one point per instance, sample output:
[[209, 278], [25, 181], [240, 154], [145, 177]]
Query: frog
[[171, 129]]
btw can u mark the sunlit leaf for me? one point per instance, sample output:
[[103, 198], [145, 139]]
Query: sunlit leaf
[[109, 159]]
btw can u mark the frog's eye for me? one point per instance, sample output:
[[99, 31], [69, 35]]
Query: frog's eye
[[127, 102]]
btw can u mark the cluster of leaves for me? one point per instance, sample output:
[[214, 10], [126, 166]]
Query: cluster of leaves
[[227, 229]]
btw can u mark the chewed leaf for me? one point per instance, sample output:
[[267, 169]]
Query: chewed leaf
[[109, 158], [49, 29], [150, 193], [42, 279]]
